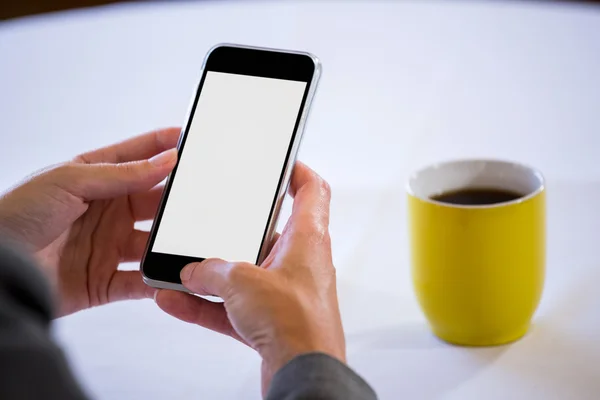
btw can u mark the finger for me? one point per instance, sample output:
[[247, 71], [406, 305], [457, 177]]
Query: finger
[[196, 310], [101, 181], [273, 242], [135, 246], [212, 277], [312, 196], [137, 148], [128, 285], [144, 205], [276, 237], [273, 249], [301, 175]]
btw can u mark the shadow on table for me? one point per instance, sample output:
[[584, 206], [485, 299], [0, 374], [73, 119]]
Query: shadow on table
[[562, 353], [406, 337], [399, 356], [558, 358]]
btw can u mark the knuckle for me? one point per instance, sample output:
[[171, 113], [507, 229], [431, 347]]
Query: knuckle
[[318, 233], [332, 270], [237, 273], [243, 276], [325, 188], [314, 232], [197, 269], [63, 173], [57, 181], [60, 169], [128, 168], [326, 238], [137, 169], [83, 159]]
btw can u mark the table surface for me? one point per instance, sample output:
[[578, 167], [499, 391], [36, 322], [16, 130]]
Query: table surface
[[405, 84]]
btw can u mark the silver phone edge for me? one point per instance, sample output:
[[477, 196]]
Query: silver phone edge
[[283, 188], [164, 285], [289, 167], [179, 287]]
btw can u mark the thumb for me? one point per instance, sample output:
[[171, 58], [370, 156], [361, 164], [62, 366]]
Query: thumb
[[212, 277], [101, 181]]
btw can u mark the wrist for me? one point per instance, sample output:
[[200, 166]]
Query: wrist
[[289, 347]]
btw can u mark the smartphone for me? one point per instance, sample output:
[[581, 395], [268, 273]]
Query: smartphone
[[236, 155]]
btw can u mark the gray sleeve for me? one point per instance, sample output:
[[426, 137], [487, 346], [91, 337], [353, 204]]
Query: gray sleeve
[[32, 365], [317, 376]]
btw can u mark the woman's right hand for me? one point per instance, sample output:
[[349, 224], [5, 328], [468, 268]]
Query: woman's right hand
[[286, 307]]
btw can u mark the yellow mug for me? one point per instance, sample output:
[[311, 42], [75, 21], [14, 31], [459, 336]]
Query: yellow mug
[[477, 269]]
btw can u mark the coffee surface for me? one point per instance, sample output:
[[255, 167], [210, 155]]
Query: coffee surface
[[473, 196]]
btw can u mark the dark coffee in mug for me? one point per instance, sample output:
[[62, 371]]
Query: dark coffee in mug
[[474, 196]]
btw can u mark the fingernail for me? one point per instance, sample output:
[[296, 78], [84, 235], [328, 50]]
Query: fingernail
[[186, 272], [156, 294], [166, 157]]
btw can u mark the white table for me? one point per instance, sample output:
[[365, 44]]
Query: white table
[[405, 84]]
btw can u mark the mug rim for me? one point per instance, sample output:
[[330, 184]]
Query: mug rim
[[444, 164]]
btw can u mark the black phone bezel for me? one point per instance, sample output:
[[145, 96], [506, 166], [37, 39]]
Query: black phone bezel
[[265, 63]]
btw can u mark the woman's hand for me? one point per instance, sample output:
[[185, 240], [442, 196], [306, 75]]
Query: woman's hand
[[78, 218], [289, 305]]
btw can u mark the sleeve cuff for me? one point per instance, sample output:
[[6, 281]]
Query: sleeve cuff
[[318, 376]]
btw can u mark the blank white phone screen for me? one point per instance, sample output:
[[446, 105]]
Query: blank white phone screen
[[229, 170]]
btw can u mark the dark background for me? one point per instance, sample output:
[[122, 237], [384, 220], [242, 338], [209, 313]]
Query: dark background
[[20, 8]]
